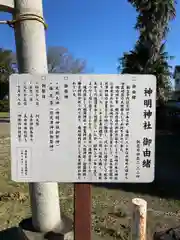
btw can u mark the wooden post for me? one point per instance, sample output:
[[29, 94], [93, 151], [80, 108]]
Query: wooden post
[[82, 211], [139, 219]]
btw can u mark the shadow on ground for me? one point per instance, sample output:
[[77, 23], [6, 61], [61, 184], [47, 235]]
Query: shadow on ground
[[13, 233], [16, 233], [167, 171], [26, 231]]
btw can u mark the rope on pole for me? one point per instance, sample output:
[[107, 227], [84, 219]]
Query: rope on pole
[[23, 17]]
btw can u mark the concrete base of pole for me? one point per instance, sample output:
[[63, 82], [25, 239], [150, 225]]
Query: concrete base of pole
[[18, 233], [27, 232], [65, 233]]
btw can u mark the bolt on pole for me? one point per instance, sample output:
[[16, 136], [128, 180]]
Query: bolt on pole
[[31, 56]]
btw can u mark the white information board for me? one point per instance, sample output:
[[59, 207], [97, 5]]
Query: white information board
[[82, 128]]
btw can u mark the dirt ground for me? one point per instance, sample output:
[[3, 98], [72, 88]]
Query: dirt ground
[[111, 203]]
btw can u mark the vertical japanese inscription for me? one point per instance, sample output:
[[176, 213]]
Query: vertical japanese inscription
[[27, 122], [79, 133], [43, 91], [31, 127], [37, 93], [51, 129], [25, 127], [108, 171], [126, 142], [57, 127], [57, 94], [138, 154], [25, 94], [89, 122], [84, 119], [24, 163], [95, 137], [18, 95], [74, 89], [111, 115], [102, 164], [19, 123], [66, 91], [122, 112], [54, 93], [147, 124], [133, 91], [30, 92], [51, 97], [116, 133], [103, 130], [54, 113]]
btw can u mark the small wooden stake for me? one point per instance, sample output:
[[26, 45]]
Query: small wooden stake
[[82, 211], [139, 219]]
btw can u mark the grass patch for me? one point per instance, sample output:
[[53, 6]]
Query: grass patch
[[4, 114]]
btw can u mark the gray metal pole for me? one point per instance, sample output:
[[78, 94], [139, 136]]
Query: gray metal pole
[[31, 56]]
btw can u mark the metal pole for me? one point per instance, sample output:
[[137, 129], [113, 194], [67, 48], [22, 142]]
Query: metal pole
[[31, 56]]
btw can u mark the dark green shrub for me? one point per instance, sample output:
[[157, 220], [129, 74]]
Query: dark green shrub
[[4, 105]]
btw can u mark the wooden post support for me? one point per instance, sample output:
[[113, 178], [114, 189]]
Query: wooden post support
[[82, 211], [138, 231]]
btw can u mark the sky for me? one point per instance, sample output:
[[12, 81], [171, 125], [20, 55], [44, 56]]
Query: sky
[[98, 31]]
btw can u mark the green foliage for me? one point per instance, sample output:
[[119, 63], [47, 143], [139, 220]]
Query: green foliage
[[154, 16], [6, 69], [4, 88], [4, 106], [137, 62], [149, 55]]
